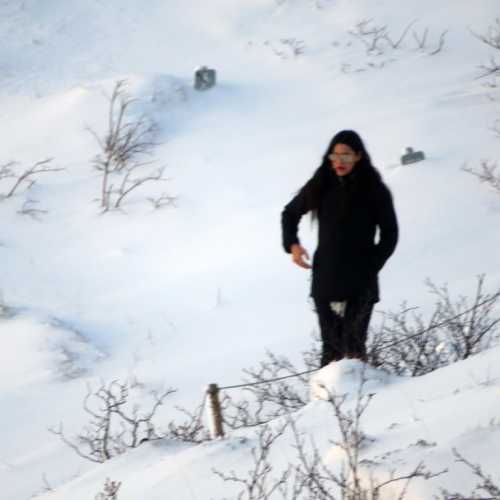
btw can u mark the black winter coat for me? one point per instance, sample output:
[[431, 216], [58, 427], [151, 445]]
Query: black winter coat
[[351, 208]]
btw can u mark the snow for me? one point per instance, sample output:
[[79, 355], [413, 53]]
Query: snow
[[191, 294]]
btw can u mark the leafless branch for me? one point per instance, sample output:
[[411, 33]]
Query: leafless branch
[[492, 35], [191, 430], [287, 47], [488, 70], [405, 344], [319, 478], [110, 491], [38, 168], [309, 477], [60, 433], [27, 176], [377, 38], [258, 484], [6, 170], [29, 208], [487, 174], [297, 47], [124, 148], [484, 486], [399, 41], [440, 44], [369, 35], [421, 39], [266, 401], [46, 485], [112, 428], [474, 331], [164, 200]]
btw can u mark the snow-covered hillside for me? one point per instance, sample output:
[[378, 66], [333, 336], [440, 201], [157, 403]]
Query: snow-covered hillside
[[193, 293]]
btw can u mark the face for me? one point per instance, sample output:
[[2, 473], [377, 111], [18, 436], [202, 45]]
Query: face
[[343, 159]]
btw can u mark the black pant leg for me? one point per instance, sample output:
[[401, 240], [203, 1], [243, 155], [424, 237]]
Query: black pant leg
[[357, 318], [330, 325]]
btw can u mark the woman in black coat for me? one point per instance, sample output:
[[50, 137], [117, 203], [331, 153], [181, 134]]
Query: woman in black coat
[[350, 201]]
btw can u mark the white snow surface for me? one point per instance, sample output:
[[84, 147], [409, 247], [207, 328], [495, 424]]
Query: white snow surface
[[189, 295]]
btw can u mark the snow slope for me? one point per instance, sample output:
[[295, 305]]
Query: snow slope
[[406, 422], [190, 295]]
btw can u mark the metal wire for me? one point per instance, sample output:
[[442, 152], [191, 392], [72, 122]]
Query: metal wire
[[260, 382], [381, 348], [437, 325]]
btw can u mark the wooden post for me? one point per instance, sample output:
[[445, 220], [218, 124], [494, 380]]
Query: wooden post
[[215, 411]]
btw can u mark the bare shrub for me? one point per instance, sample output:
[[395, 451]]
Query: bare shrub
[[491, 38], [22, 177], [440, 44], [421, 40], [309, 477], [45, 488], [405, 344], [487, 173], [369, 35], [287, 48], [192, 429], [258, 404], [125, 150], [113, 426], [352, 440], [492, 35], [30, 208], [378, 40], [296, 47], [259, 484], [469, 325], [320, 481], [396, 43], [164, 200], [484, 486], [490, 69], [110, 490], [264, 401], [130, 182]]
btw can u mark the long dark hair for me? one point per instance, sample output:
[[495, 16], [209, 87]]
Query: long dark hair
[[324, 174]]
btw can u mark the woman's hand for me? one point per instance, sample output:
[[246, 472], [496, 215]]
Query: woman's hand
[[300, 256]]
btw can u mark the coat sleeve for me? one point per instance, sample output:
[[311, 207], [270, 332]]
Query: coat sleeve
[[388, 227], [290, 218]]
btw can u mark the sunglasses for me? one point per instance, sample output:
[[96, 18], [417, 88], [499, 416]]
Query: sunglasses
[[345, 158]]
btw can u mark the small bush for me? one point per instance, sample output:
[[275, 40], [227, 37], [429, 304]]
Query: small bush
[[124, 154], [405, 344], [114, 425], [485, 484]]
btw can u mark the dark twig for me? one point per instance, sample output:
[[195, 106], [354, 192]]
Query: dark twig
[[484, 486], [440, 44], [27, 177], [492, 35], [112, 428], [487, 174]]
